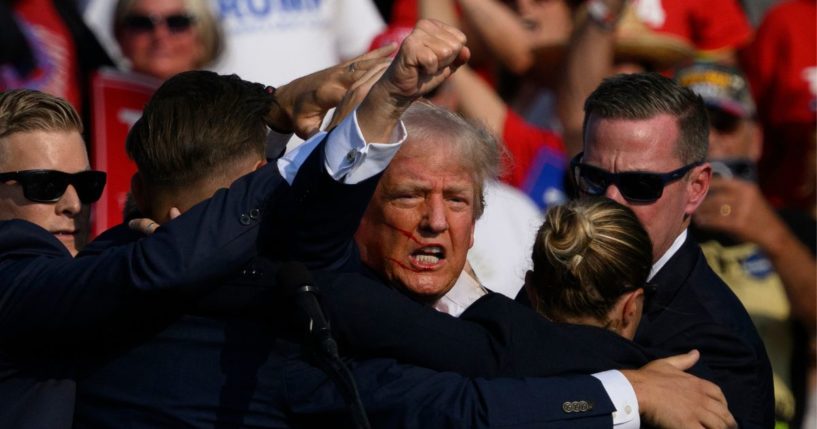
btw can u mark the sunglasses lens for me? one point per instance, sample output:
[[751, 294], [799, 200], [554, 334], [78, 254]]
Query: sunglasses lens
[[178, 23], [592, 181], [44, 186], [138, 23], [640, 187], [89, 185]]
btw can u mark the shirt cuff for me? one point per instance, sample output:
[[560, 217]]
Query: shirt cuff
[[622, 395], [349, 159]]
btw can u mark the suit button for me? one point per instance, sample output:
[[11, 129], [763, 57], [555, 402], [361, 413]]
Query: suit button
[[583, 406], [254, 213], [245, 220], [567, 407]]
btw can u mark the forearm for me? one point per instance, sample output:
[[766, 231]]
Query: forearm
[[403, 396], [797, 270], [588, 60], [441, 10], [502, 31], [477, 100]]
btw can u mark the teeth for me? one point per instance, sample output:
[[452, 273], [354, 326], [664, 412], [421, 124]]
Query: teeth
[[427, 259]]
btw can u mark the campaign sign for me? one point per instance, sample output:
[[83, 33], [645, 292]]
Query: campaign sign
[[117, 102]]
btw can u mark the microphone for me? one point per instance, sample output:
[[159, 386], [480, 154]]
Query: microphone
[[297, 282]]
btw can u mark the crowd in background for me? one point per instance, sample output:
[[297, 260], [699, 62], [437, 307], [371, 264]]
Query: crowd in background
[[533, 63]]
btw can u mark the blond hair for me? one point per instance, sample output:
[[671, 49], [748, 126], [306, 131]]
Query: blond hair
[[23, 110], [205, 24], [587, 254]]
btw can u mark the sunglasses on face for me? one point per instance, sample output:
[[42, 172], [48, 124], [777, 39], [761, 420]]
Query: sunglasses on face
[[176, 23], [635, 186], [48, 186]]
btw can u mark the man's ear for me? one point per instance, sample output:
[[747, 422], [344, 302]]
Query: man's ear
[[140, 193], [259, 164], [631, 310], [697, 186]]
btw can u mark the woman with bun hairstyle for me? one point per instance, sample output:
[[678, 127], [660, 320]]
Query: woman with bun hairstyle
[[591, 260]]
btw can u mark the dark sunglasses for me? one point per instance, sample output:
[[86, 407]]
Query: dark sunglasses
[[635, 186], [176, 23], [48, 186]]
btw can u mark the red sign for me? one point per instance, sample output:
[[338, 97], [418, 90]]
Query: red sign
[[117, 102]]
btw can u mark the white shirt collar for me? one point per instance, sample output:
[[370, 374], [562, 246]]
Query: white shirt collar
[[656, 267], [466, 290]]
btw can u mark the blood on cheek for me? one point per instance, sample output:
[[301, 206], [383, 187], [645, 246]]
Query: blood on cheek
[[408, 236]]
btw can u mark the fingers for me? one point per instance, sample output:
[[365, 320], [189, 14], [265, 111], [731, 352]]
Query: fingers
[[357, 70], [356, 94], [426, 58], [174, 213], [715, 414], [684, 361], [144, 225]]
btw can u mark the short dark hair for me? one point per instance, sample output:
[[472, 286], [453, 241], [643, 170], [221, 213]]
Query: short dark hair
[[196, 124], [645, 95], [587, 254]]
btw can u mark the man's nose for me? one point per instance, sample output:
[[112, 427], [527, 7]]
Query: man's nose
[[614, 194], [69, 204], [435, 216]]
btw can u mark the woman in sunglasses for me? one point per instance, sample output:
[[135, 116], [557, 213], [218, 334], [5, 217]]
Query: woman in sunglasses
[[161, 38], [591, 259]]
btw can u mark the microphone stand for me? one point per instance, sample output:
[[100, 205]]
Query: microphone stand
[[320, 345]]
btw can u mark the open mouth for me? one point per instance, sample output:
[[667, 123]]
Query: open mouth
[[428, 257]]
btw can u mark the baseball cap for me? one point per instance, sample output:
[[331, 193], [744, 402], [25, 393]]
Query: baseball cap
[[722, 87]]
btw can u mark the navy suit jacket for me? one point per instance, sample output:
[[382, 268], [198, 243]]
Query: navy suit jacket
[[53, 305], [221, 367], [693, 309], [228, 362], [493, 337]]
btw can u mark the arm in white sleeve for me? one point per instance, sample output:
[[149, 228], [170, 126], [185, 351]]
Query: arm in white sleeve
[[623, 396], [349, 159]]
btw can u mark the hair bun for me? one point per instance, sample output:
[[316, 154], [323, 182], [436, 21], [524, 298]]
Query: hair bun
[[571, 234]]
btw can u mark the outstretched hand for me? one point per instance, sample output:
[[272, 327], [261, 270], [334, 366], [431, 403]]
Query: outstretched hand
[[668, 397], [302, 104]]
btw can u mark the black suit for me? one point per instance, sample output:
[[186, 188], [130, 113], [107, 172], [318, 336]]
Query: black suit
[[693, 309], [493, 337], [53, 305], [227, 363]]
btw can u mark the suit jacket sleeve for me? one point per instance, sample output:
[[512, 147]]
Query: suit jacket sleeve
[[402, 396], [494, 337], [46, 292]]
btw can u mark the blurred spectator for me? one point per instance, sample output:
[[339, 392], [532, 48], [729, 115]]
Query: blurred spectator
[[609, 38], [161, 38], [782, 68], [508, 224], [45, 45], [717, 28], [766, 258], [268, 41]]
